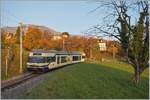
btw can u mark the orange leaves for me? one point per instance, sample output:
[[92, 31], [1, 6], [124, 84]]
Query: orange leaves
[[37, 39], [32, 38]]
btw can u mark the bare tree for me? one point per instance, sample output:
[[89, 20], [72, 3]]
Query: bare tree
[[133, 37]]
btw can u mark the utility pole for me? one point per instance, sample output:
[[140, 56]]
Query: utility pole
[[6, 63], [63, 44], [21, 32], [7, 57]]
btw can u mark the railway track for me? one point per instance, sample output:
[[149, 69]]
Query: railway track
[[17, 80]]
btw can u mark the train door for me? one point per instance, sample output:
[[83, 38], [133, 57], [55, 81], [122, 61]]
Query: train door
[[58, 59]]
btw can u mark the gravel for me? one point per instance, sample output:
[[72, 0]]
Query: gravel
[[17, 91]]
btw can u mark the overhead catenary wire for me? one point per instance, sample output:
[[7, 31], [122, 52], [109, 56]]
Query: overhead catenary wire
[[6, 17]]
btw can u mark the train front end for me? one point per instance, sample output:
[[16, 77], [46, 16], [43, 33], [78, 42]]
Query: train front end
[[40, 61]]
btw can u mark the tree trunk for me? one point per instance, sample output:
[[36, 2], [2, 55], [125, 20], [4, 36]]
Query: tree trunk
[[137, 73], [136, 78], [126, 54]]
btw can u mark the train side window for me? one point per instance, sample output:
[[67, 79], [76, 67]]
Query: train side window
[[63, 59], [79, 57], [58, 57], [75, 58], [83, 56], [51, 59], [48, 59]]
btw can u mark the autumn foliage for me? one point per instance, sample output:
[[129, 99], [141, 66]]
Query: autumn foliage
[[37, 39], [34, 38]]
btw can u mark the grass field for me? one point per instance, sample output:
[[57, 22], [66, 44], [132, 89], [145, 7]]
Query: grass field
[[87, 80]]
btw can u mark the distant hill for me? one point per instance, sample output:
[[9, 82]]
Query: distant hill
[[42, 28], [9, 29]]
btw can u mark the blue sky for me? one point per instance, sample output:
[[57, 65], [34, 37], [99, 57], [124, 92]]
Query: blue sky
[[70, 16]]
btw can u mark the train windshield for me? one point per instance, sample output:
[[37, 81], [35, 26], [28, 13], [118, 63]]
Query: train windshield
[[41, 59]]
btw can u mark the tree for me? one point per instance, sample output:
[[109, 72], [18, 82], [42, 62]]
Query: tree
[[139, 45], [32, 38], [3, 38], [65, 34], [17, 35], [134, 38]]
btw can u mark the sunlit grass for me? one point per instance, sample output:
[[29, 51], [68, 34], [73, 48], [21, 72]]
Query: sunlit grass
[[87, 80], [124, 66]]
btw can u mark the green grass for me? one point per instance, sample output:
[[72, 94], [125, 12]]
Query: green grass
[[121, 66], [91, 81]]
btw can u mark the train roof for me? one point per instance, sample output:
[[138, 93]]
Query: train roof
[[55, 52]]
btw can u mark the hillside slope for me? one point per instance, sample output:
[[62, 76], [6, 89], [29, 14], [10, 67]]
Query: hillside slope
[[90, 81]]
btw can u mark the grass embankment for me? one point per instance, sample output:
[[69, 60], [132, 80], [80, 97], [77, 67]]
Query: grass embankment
[[13, 62], [124, 66], [87, 80]]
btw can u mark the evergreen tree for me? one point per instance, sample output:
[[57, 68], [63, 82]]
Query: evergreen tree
[[17, 35]]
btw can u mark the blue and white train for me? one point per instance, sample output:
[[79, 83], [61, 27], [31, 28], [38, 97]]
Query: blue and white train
[[45, 60]]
